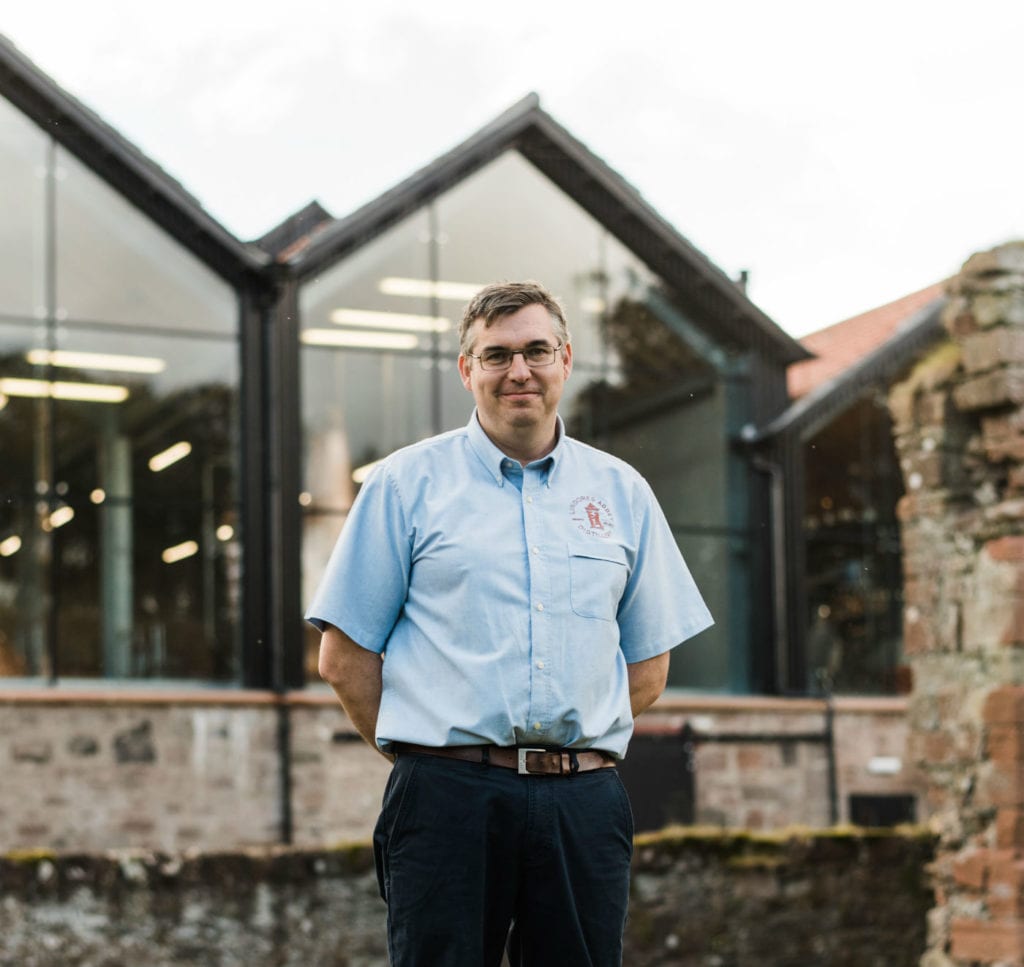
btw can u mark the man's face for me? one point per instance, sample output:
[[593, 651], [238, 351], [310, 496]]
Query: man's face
[[518, 398]]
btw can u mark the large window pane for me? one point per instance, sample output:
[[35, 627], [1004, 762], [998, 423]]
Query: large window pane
[[119, 533], [853, 582], [23, 149], [114, 265], [637, 387]]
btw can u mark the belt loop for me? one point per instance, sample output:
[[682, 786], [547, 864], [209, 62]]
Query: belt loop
[[574, 763], [485, 756]]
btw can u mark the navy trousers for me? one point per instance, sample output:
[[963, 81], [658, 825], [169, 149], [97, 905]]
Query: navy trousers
[[472, 858]]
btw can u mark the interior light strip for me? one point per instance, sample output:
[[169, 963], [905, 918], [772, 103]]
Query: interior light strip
[[107, 361], [10, 545], [61, 516], [179, 552], [429, 289], [372, 319], [164, 459], [43, 389], [363, 340]]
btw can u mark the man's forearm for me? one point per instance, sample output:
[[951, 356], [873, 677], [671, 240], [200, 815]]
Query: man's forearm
[[647, 681], [355, 676]]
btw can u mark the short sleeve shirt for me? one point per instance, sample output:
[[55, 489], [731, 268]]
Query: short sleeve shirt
[[507, 600]]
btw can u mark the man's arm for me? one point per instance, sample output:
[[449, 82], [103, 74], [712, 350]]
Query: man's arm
[[647, 681], [355, 675]]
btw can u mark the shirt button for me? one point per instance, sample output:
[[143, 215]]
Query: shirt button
[[536, 550], [540, 607], [529, 500], [540, 664]]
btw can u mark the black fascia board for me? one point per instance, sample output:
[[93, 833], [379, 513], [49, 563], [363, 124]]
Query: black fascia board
[[805, 417], [602, 192], [123, 166]]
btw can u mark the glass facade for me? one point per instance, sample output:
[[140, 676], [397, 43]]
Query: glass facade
[[854, 576], [119, 377], [121, 552], [380, 339]]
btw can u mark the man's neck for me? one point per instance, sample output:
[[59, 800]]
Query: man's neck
[[526, 447]]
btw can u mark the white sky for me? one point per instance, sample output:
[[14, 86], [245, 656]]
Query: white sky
[[846, 154]]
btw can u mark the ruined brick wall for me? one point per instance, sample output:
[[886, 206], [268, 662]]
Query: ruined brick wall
[[959, 424], [202, 770], [841, 899]]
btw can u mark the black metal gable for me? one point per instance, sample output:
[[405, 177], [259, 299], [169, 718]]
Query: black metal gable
[[716, 302], [115, 159]]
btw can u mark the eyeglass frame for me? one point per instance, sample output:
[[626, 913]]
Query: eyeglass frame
[[512, 353]]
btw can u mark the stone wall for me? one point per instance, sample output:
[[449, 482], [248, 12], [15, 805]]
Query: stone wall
[[959, 426], [698, 900], [202, 769]]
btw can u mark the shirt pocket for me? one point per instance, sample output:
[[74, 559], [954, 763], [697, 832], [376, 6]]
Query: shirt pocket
[[597, 578]]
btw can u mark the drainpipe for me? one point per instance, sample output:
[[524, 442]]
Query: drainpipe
[[780, 607]]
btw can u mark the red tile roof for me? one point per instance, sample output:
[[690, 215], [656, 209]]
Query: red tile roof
[[839, 346]]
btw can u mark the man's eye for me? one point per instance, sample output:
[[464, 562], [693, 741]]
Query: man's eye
[[537, 353], [495, 356]]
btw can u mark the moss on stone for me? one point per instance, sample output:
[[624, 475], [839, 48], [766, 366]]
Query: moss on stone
[[26, 856]]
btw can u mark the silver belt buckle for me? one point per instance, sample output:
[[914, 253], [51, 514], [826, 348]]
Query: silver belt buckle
[[522, 770]]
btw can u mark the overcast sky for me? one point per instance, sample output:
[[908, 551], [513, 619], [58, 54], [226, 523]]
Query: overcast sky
[[845, 154]]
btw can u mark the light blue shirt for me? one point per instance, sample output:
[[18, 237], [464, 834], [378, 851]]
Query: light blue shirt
[[507, 600]]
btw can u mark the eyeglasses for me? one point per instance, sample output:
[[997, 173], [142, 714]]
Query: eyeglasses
[[495, 360]]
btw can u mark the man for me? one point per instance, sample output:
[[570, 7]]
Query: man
[[524, 591]]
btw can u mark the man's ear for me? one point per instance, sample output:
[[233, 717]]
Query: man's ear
[[465, 363]]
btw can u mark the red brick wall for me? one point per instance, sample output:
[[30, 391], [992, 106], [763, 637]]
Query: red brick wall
[[959, 423]]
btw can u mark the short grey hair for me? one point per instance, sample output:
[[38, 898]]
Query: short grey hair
[[500, 299]]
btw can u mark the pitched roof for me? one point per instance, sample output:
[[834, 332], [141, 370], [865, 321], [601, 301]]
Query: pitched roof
[[717, 302], [837, 347], [293, 232], [137, 177], [863, 352]]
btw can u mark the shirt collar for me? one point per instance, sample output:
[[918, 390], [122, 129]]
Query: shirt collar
[[492, 458]]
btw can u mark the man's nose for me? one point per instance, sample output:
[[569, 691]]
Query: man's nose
[[519, 371]]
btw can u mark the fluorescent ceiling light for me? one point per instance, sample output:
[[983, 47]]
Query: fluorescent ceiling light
[[363, 340], [179, 552], [361, 473], [372, 319], [428, 289], [98, 495], [108, 361], [593, 303], [3, 401], [225, 532], [85, 392], [10, 546], [162, 460], [61, 516]]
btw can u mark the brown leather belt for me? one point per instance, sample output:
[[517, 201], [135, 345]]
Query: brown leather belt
[[525, 760]]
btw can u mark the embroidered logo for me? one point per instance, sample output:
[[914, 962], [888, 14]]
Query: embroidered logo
[[592, 516]]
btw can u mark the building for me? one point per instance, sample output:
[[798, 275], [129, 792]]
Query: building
[[186, 418]]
